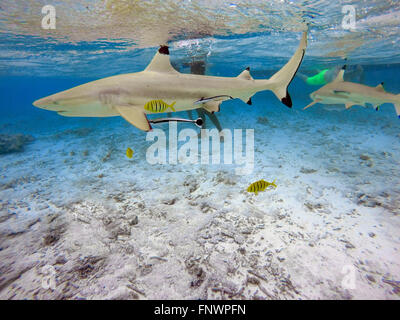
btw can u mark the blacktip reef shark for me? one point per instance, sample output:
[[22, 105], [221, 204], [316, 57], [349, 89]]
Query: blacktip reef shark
[[127, 94], [350, 93]]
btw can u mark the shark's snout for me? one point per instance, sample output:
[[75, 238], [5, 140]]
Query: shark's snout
[[46, 103], [40, 103]]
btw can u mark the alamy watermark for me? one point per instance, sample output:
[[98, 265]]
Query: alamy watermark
[[49, 20], [49, 277], [349, 17], [188, 152], [349, 278]]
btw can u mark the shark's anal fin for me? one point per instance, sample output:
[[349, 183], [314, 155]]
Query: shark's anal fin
[[212, 106], [135, 116], [161, 62]]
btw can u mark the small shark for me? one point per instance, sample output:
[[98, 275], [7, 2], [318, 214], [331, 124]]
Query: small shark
[[349, 93], [126, 94]]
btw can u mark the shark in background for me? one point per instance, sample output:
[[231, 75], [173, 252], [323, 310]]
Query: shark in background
[[350, 93], [126, 95]]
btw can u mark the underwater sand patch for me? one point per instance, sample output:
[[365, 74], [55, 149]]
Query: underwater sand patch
[[78, 132], [307, 171]]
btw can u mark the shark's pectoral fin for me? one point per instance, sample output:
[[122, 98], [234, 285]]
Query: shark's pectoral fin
[[311, 104], [349, 105], [212, 106], [135, 116]]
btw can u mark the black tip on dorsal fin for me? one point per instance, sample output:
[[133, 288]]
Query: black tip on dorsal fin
[[163, 50], [287, 101], [249, 102], [382, 83], [344, 67], [248, 68]]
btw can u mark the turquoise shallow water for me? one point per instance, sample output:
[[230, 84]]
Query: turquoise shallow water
[[71, 201]]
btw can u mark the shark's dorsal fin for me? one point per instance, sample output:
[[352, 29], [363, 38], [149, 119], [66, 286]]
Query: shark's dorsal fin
[[245, 74], [380, 87], [161, 62], [339, 77]]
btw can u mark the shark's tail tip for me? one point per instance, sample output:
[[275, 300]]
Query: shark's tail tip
[[164, 49], [287, 101]]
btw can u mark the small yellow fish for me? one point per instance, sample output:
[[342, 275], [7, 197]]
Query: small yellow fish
[[158, 106], [129, 153], [260, 185]]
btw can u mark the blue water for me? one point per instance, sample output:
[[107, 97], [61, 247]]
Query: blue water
[[19, 116]]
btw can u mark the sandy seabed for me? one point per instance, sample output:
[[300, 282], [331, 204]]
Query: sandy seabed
[[75, 210]]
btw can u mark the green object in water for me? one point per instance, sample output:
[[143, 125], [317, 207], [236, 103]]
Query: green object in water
[[318, 79]]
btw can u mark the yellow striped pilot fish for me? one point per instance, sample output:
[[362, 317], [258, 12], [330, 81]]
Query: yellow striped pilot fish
[[129, 153], [260, 185], [158, 106]]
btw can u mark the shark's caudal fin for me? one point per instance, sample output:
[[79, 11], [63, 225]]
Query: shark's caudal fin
[[284, 77]]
